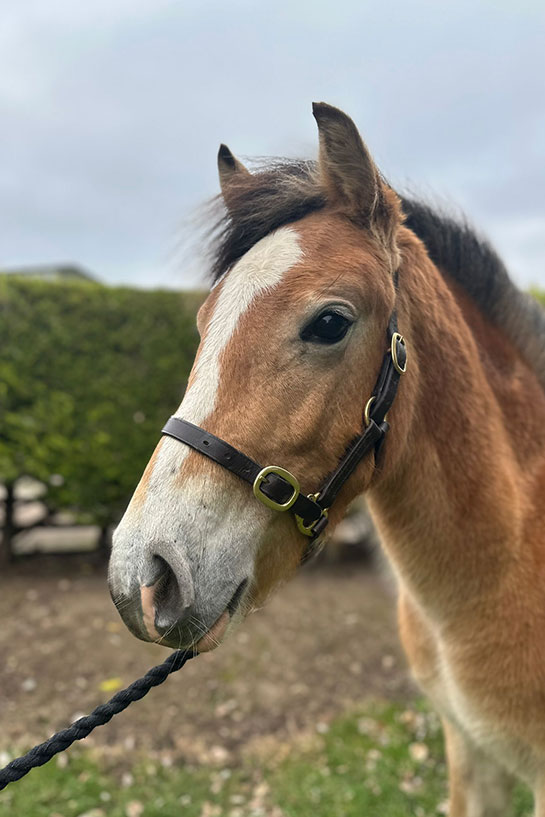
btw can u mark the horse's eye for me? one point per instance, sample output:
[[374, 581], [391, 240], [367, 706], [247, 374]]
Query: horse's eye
[[329, 327]]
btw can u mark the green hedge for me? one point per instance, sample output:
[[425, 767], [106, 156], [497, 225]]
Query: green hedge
[[88, 375], [539, 294]]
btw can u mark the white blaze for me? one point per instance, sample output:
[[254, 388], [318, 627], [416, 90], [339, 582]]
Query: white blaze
[[259, 270], [170, 511]]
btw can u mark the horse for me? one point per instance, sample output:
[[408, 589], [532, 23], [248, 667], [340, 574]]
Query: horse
[[325, 279]]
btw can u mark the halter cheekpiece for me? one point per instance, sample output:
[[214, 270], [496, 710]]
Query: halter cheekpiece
[[279, 489]]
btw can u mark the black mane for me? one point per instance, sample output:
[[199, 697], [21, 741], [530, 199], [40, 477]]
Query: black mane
[[284, 191], [455, 248]]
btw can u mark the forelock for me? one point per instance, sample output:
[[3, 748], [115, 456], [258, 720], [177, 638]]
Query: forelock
[[279, 193]]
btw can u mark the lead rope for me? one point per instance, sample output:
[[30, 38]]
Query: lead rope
[[43, 752]]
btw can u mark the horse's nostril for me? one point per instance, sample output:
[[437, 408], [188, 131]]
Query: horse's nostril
[[172, 601], [154, 570]]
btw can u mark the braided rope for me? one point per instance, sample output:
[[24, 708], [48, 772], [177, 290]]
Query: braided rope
[[43, 752]]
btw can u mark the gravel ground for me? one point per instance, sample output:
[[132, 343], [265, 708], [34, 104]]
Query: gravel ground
[[326, 642]]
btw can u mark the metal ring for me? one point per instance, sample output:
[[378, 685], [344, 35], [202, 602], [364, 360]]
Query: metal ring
[[308, 530], [397, 338], [367, 410]]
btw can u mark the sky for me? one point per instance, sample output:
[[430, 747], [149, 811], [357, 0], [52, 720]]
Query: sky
[[112, 113]]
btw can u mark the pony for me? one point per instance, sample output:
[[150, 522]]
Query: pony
[[310, 260]]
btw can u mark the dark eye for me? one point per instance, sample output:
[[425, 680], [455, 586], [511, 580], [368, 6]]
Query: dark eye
[[329, 327]]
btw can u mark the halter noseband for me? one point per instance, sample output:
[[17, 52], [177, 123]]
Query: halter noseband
[[279, 489]]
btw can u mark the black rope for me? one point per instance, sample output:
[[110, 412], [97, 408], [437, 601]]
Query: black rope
[[43, 752]]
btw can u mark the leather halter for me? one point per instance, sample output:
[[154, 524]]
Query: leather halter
[[276, 487]]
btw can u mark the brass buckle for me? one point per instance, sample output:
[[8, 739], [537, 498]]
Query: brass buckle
[[308, 530], [281, 472], [397, 338]]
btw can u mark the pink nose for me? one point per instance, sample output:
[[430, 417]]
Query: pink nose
[[147, 595], [167, 601]]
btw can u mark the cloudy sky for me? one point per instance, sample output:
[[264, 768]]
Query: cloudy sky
[[112, 112]]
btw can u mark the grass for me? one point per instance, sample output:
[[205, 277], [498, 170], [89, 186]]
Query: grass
[[384, 761]]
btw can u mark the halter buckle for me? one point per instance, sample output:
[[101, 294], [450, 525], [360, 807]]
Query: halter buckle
[[398, 339], [287, 476]]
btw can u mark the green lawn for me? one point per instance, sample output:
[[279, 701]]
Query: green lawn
[[383, 761]]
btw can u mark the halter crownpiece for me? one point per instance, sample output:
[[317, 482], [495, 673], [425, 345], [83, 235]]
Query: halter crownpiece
[[279, 489]]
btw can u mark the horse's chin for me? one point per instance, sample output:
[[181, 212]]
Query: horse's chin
[[215, 634]]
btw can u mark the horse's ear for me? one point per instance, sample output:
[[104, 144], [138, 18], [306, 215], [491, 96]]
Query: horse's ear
[[351, 179], [230, 170]]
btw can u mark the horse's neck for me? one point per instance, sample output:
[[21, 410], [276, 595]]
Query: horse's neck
[[455, 502]]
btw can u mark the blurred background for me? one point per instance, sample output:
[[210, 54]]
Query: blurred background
[[112, 113]]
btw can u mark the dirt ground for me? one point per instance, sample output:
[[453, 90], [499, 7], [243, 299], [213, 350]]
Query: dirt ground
[[325, 642]]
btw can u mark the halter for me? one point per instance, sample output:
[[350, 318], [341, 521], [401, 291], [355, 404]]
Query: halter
[[279, 489]]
